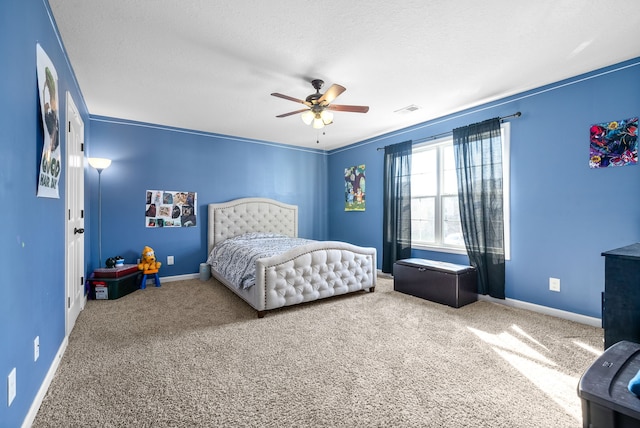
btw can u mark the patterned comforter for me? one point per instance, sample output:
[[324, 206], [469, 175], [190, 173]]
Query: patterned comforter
[[235, 258]]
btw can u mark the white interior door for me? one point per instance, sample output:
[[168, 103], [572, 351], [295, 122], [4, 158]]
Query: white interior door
[[74, 275]]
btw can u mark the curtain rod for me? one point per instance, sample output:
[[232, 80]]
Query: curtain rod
[[433, 137]]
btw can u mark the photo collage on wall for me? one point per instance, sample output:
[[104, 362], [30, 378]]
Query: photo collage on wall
[[165, 208]]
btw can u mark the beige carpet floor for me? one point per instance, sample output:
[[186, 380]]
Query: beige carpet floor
[[192, 354]]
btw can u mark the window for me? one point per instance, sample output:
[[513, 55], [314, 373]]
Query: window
[[435, 217]]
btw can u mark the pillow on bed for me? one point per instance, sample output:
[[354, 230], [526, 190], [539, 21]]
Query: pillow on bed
[[257, 235]]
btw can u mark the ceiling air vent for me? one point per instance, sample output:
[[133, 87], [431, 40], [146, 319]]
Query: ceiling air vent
[[408, 109]]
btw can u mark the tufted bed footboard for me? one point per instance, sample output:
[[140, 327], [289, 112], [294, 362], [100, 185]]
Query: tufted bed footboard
[[316, 270]]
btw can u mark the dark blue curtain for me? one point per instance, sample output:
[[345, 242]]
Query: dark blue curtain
[[396, 236], [478, 156]]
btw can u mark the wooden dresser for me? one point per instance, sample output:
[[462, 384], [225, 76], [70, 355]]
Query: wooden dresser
[[621, 297]]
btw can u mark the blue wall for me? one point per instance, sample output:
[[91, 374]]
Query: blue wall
[[219, 168], [32, 242], [563, 214]]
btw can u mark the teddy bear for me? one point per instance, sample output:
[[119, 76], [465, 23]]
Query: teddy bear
[[148, 263]]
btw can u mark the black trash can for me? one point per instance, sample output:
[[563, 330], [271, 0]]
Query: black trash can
[[603, 389]]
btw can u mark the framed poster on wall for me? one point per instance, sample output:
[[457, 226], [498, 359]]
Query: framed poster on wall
[[354, 188], [50, 163], [614, 143]]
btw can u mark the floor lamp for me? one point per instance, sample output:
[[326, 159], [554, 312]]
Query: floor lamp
[[99, 164]]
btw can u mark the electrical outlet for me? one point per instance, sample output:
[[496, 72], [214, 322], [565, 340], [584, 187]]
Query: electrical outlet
[[554, 284], [36, 348], [169, 260], [11, 386]]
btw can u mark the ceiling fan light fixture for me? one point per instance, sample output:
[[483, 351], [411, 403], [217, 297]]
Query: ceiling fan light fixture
[[307, 117], [317, 122], [326, 116], [317, 113]]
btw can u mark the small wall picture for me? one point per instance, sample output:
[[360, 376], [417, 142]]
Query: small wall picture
[[614, 143], [354, 188], [166, 208]]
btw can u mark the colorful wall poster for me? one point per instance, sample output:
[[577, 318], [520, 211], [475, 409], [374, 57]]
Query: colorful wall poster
[[354, 188], [50, 163], [165, 208], [614, 143]]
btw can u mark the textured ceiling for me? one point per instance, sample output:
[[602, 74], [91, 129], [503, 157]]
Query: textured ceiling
[[211, 65]]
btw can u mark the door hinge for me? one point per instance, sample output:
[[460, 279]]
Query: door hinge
[[69, 123], [82, 280], [82, 147], [81, 213], [69, 214], [68, 302]]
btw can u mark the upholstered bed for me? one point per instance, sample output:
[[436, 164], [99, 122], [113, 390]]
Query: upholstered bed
[[313, 271]]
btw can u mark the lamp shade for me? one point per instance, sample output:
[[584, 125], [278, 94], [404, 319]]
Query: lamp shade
[[99, 163], [307, 117], [327, 117], [317, 122]]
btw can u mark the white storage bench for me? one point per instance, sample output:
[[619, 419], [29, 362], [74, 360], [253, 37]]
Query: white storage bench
[[441, 282]]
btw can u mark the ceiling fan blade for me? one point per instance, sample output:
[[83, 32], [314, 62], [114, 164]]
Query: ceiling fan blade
[[331, 94], [292, 112], [353, 109], [287, 97]]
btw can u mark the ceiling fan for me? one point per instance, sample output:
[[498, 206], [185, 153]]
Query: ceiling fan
[[318, 112]]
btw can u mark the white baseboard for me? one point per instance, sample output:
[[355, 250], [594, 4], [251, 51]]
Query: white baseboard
[[180, 277], [37, 401], [582, 319], [150, 280]]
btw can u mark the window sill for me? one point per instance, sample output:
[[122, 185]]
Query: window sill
[[440, 249], [462, 251]]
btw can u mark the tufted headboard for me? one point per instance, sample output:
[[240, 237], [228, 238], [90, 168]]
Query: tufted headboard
[[240, 216]]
